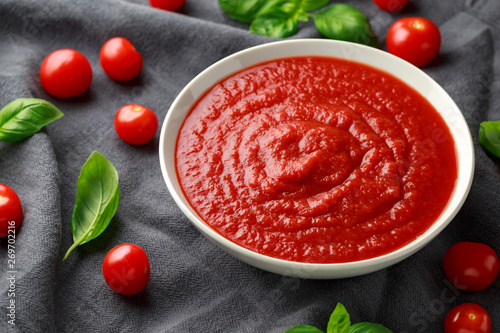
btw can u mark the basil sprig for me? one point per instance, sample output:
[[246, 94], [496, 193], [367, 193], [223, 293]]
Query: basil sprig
[[24, 117], [97, 196], [280, 18], [489, 136], [340, 322]]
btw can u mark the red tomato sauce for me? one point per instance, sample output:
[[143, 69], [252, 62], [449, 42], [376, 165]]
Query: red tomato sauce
[[316, 159]]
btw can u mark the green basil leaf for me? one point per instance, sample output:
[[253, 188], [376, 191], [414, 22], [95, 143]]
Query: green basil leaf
[[303, 329], [344, 22], [292, 8], [309, 5], [368, 328], [339, 320], [489, 136], [246, 10], [275, 22], [24, 117], [97, 196]]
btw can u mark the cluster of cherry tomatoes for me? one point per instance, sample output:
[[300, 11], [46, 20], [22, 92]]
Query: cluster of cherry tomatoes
[[414, 39], [470, 267], [67, 73]]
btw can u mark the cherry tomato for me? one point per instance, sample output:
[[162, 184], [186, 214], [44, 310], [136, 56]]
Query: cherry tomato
[[391, 5], [11, 210], [170, 5], [136, 124], [65, 73], [126, 269], [414, 39], [120, 60], [471, 266], [467, 318]]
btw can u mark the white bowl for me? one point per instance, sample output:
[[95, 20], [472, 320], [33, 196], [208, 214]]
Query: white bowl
[[410, 74]]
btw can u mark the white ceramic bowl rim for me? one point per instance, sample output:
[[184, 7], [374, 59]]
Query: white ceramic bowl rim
[[410, 74]]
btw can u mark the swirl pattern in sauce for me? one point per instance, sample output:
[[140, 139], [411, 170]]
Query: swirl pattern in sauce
[[316, 159]]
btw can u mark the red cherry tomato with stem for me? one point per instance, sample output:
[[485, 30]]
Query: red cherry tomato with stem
[[120, 60], [65, 73], [391, 5], [11, 211], [467, 318], [471, 266], [414, 39], [136, 124], [170, 5], [126, 269]]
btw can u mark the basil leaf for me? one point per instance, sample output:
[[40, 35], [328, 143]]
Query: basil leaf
[[489, 136], [24, 117], [368, 328], [97, 196], [246, 10], [308, 5], [293, 9], [303, 329], [281, 20], [339, 320], [344, 22], [275, 23]]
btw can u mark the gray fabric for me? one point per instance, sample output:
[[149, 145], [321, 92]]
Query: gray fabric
[[194, 286]]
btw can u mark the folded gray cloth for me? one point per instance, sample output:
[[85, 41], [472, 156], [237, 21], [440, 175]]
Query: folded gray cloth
[[194, 286]]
